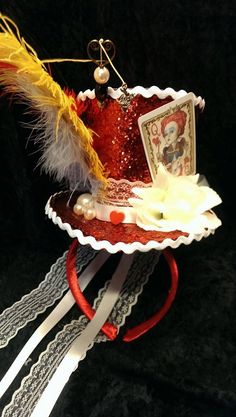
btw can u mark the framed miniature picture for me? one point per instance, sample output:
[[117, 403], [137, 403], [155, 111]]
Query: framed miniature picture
[[169, 137]]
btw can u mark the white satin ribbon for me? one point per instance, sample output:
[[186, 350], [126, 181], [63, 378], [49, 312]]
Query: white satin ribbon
[[80, 345], [54, 317]]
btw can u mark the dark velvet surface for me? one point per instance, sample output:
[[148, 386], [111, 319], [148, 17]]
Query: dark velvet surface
[[186, 366]]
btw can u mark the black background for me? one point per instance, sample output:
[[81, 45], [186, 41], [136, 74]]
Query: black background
[[187, 365]]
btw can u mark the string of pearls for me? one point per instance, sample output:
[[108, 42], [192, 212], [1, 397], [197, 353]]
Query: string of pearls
[[85, 206]]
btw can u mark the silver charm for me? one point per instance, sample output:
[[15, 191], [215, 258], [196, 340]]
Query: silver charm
[[126, 98]]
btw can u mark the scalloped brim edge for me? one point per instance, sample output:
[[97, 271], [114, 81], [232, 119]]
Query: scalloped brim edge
[[127, 248]]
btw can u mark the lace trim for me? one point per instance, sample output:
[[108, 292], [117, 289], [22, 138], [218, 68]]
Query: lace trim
[[38, 300], [25, 398], [118, 192]]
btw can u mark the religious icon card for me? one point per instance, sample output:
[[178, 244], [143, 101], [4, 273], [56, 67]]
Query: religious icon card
[[168, 135]]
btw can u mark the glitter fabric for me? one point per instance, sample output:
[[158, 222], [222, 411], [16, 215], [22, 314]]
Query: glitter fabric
[[100, 230], [117, 138]]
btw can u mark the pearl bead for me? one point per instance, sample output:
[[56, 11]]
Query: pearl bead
[[85, 200], [89, 214], [78, 209], [101, 75]]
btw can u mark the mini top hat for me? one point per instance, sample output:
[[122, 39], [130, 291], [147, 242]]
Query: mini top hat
[[132, 149], [142, 195], [108, 218]]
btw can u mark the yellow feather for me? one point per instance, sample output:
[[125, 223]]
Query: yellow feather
[[16, 52]]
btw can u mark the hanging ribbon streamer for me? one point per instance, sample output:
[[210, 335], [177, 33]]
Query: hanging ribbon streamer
[[32, 387], [144, 327], [48, 292], [54, 317], [108, 329], [82, 343]]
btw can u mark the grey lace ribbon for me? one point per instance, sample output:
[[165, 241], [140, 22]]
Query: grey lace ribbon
[[33, 385], [37, 301]]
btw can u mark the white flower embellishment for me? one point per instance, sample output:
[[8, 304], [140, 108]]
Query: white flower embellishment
[[175, 203]]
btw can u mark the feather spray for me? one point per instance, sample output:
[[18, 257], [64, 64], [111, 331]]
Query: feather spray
[[66, 143]]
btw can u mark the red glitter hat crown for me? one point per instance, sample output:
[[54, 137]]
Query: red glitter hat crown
[[118, 142]]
